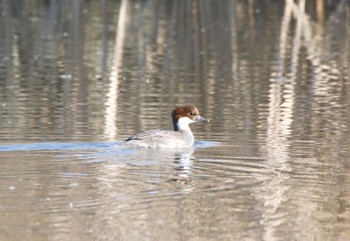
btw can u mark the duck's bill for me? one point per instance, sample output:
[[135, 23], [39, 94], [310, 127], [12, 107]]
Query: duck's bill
[[201, 119]]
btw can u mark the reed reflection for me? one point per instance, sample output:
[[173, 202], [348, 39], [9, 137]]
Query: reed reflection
[[284, 119]]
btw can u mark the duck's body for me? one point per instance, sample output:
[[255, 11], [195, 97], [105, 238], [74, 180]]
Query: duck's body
[[180, 137], [161, 139]]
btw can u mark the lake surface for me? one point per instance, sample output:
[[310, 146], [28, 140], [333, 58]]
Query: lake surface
[[78, 77]]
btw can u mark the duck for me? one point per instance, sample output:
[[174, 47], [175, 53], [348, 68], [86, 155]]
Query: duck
[[180, 137]]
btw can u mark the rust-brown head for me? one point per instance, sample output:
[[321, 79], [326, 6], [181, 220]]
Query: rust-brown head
[[185, 115]]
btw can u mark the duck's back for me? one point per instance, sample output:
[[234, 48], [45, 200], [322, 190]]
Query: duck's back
[[158, 139]]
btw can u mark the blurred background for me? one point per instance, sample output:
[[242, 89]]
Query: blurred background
[[102, 70], [271, 75]]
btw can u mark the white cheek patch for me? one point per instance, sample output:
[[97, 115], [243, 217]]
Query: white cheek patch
[[183, 123]]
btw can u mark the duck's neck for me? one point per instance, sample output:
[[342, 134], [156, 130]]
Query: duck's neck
[[187, 136], [182, 126]]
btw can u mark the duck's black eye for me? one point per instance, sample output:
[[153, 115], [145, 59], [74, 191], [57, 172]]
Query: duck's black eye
[[192, 113]]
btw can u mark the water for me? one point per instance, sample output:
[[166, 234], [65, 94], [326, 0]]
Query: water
[[78, 77]]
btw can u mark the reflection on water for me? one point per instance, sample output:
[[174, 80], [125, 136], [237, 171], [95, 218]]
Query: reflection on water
[[76, 77]]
